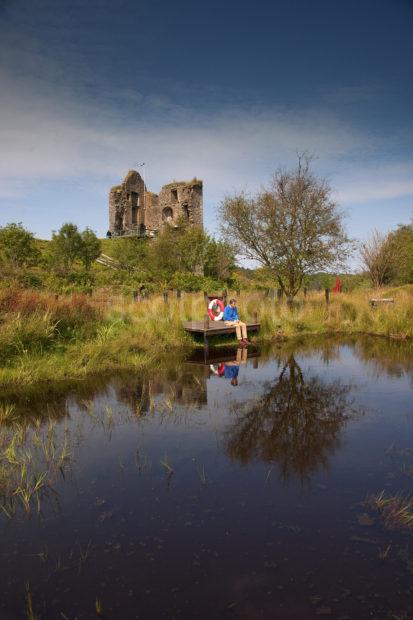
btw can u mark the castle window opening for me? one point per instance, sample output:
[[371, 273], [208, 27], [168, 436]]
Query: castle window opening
[[174, 195], [134, 214], [185, 210], [167, 214]]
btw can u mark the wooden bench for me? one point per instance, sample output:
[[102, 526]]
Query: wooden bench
[[208, 328], [383, 300]]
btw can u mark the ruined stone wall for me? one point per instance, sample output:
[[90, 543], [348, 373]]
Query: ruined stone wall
[[126, 204], [182, 200], [131, 211]]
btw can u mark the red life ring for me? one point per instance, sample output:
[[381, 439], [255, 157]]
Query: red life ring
[[218, 369], [212, 316]]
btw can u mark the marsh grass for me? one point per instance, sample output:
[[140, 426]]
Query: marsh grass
[[31, 460], [75, 336], [167, 466], [395, 510], [29, 604]]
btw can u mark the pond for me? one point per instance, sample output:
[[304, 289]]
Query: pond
[[268, 483]]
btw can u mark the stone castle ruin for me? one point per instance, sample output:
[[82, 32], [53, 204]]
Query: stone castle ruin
[[135, 211]]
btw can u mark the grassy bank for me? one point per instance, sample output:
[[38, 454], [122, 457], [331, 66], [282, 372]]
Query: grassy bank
[[46, 338]]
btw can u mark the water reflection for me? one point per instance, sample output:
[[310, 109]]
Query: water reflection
[[88, 500], [297, 423]]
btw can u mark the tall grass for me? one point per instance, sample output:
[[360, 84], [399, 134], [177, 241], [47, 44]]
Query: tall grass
[[44, 337]]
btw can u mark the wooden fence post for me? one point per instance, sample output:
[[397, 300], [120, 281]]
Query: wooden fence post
[[178, 293], [305, 292], [165, 297], [327, 294]]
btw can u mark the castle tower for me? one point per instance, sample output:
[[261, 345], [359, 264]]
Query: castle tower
[[133, 210]]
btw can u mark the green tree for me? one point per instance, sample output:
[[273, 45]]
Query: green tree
[[220, 260], [293, 227], [90, 248], [402, 265], [131, 253], [17, 247], [66, 246], [182, 249]]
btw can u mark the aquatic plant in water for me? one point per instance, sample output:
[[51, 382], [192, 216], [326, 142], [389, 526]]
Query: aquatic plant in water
[[396, 510]]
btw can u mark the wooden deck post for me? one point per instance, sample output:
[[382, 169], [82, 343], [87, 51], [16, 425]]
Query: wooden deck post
[[255, 317], [206, 297], [206, 328], [224, 296]]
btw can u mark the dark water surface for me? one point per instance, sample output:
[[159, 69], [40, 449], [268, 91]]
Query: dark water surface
[[175, 494]]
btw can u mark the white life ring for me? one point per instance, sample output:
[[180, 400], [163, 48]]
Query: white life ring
[[216, 317]]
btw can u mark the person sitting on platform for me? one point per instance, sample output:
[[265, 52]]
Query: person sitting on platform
[[231, 319]]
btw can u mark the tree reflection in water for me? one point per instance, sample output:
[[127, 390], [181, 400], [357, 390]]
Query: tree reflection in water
[[297, 423]]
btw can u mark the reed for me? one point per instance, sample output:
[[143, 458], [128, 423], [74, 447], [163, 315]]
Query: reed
[[396, 510], [31, 458]]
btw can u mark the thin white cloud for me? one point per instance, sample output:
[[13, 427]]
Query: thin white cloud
[[382, 182]]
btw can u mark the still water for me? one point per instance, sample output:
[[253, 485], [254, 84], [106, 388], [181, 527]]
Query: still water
[[233, 486]]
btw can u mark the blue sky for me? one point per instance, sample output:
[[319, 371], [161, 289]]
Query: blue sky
[[226, 91]]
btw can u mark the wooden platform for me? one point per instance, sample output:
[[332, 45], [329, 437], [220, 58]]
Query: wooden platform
[[215, 328], [218, 355]]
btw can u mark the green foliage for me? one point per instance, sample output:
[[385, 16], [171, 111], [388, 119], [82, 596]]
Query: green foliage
[[220, 260], [31, 280], [192, 282], [402, 268], [177, 258], [69, 245], [65, 247], [131, 253], [71, 282], [179, 249], [17, 247], [90, 248]]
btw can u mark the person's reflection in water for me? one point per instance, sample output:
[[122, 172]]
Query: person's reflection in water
[[231, 369]]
